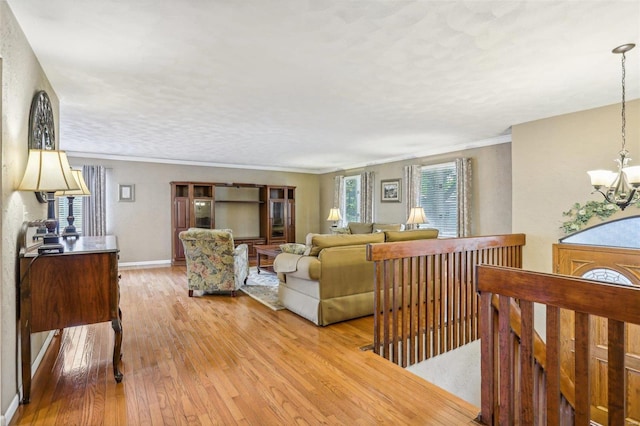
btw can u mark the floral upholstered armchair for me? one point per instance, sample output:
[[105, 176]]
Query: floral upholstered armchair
[[213, 264]]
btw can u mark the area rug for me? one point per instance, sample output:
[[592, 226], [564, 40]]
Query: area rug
[[263, 287]]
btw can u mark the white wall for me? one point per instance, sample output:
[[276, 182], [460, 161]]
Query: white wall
[[21, 78]]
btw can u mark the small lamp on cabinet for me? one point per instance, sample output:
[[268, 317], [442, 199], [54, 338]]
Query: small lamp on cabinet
[[48, 171], [70, 230]]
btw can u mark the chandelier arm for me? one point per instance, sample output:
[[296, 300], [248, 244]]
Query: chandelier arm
[[622, 203]]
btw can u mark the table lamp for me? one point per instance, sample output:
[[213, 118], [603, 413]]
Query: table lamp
[[335, 216], [416, 217], [48, 171], [70, 229]]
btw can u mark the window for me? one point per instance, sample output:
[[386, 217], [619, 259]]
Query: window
[[351, 198], [63, 213], [439, 197]]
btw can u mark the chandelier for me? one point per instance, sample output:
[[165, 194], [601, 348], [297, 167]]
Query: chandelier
[[619, 188]]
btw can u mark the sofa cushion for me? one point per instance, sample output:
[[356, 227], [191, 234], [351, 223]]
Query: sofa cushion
[[381, 227], [345, 271], [414, 234], [320, 242], [360, 227]]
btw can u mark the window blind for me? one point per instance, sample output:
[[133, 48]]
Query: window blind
[[352, 199], [439, 197], [63, 212]]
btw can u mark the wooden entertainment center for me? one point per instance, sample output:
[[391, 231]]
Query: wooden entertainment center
[[257, 214]]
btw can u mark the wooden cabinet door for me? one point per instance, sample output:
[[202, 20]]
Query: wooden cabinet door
[[291, 221], [277, 222], [182, 219], [609, 264]]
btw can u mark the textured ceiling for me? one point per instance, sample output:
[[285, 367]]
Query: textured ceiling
[[320, 85]]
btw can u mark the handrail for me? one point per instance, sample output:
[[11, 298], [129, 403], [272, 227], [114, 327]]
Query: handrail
[[584, 297], [424, 292]]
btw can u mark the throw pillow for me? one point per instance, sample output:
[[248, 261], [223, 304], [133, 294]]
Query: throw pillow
[[293, 248], [338, 230], [360, 228], [381, 227]]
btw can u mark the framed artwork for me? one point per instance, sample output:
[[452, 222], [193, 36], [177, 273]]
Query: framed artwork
[[390, 190], [126, 192]]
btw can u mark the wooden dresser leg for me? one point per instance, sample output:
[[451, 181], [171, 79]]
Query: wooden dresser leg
[[26, 361], [117, 347], [190, 293]]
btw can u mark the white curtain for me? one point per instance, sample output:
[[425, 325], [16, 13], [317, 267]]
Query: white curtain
[[366, 196], [464, 176], [94, 211], [412, 174], [338, 197]]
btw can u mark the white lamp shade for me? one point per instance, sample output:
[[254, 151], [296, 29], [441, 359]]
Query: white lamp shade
[[632, 174], [334, 214], [77, 174], [48, 171], [602, 177], [416, 216]]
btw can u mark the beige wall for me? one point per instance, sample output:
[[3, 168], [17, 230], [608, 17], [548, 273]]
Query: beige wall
[[21, 78], [550, 161], [143, 227], [491, 199]]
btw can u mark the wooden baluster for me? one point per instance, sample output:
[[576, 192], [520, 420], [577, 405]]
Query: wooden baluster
[[526, 363], [615, 372], [505, 357], [583, 393], [553, 365], [487, 368]]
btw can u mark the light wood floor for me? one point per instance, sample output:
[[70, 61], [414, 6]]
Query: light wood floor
[[223, 360]]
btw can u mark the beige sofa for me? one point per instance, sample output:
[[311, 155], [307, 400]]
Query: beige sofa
[[334, 282]]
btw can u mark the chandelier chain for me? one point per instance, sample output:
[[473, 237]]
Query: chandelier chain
[[624, 120]]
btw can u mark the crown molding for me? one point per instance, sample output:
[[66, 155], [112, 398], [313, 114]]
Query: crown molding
[[435, 151]]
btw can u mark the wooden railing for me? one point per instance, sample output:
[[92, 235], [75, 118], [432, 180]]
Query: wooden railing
[[511, 393], [425, 296], [539, 354]]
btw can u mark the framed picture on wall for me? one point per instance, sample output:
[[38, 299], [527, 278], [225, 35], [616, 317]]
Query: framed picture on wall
[[390, 190], [126, 192]]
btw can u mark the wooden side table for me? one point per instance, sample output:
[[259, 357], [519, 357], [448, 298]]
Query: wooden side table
[[77, 287], [266, 252]]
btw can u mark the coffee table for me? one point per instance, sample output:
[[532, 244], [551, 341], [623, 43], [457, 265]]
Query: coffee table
[[266, 252]]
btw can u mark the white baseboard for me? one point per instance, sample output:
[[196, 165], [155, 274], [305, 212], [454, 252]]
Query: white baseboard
[[15, 402], [146, 264]]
